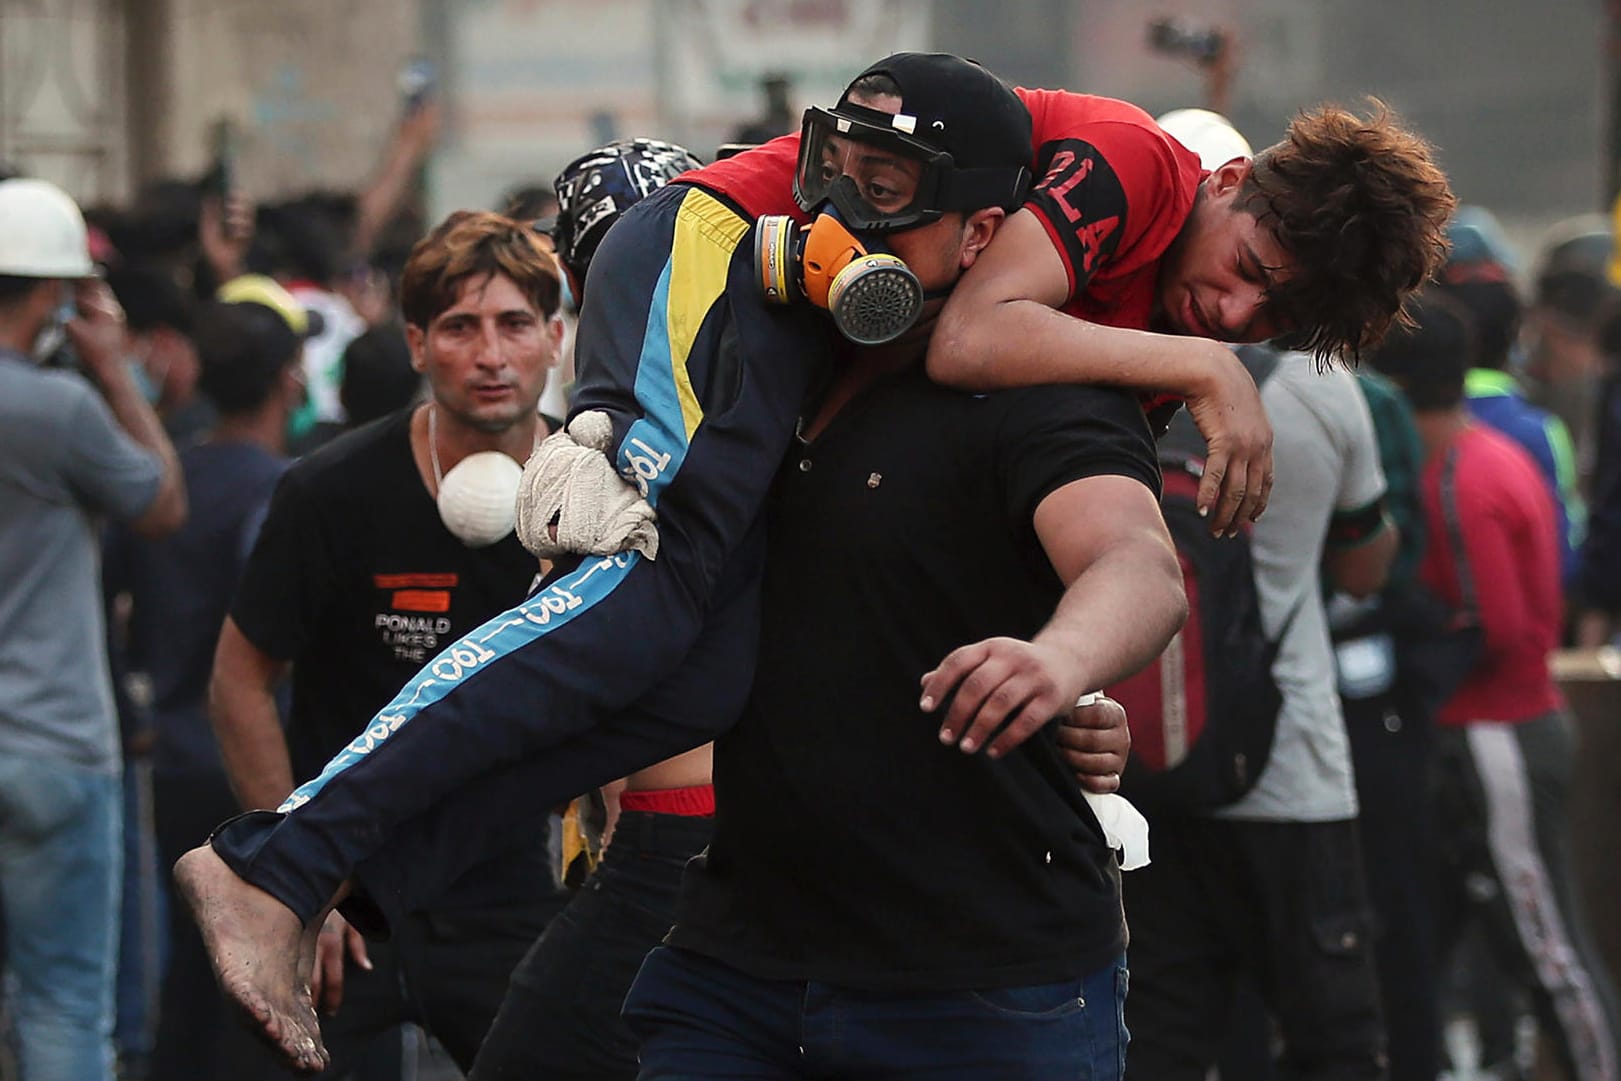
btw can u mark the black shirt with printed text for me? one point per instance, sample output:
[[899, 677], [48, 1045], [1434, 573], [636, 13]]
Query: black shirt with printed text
[[356, 581], [850, 846]]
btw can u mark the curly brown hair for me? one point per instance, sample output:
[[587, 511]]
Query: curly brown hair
[[476, 243], [1361, 207]]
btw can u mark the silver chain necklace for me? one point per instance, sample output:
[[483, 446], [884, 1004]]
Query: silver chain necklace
[[433, 446]]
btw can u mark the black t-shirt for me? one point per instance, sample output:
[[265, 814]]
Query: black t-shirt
[[356, 581], [850, 846]]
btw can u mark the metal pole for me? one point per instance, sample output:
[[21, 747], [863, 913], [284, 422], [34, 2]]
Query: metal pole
[[149, 82], [1612, 74], [671, 118]]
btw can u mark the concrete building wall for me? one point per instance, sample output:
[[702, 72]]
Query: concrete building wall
[[535, 83], [62, 114], [310, 84]]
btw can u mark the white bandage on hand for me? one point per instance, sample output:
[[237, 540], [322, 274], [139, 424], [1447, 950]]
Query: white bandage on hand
[[1125, 830], [569, 481]]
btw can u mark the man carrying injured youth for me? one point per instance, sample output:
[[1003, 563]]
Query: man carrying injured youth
[[624, 660]]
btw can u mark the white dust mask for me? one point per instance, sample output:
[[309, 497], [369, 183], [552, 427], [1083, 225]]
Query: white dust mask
[[478, 498]]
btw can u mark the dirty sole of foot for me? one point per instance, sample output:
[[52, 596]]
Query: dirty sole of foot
[[222, 906]]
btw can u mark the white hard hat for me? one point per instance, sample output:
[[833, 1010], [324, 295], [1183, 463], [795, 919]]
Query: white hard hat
[[42, 233], [1209, 135]]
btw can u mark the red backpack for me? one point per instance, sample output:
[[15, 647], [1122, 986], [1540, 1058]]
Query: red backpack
[[1204, 713]]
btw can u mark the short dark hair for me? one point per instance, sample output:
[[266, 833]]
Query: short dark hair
[[377, 374], [1573, 280], [1494, 308], [1429, 353], [151, 298], [1361, 207], [476, 243], [242, 350], [306, 237], [876, 85], [526, 202], [161, 223], [13, 287]]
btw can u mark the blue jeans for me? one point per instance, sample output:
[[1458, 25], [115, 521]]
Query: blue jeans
[[61, 855], [699, 1018]]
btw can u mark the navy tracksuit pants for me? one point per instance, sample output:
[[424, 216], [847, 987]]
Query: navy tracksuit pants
[[616, 663]]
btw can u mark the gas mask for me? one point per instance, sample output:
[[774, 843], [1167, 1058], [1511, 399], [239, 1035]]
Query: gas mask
[[864, 173], [872, 294]]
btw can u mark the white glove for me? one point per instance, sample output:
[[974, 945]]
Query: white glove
[[570, 482]]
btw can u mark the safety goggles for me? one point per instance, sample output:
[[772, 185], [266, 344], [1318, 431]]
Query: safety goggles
[[882, 178], [879, 177]]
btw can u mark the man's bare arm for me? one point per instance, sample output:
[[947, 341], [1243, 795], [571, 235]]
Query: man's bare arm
[[242, 706], [98, 334], [1122, 603], [385, 191], [1362, 569], [1001, 328]]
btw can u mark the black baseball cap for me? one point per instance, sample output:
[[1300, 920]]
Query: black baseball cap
[[968, 128], [958, 105]]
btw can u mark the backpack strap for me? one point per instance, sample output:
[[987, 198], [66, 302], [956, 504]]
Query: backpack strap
[[1454, 528]]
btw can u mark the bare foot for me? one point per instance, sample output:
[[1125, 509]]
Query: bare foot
[[256, 946]]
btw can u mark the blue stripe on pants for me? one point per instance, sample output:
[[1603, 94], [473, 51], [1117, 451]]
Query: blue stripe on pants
[[553, 607], [722, 405]]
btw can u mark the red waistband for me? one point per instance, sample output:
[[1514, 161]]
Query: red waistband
[[696, 801]]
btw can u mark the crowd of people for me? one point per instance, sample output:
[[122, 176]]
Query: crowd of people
[[800, 504]]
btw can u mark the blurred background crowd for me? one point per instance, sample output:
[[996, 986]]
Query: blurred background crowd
[[298, 150]]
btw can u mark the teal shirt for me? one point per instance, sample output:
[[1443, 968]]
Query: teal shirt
[[1401, 455]]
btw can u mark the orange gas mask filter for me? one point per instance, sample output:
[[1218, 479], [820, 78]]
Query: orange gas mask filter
[[871, 293]]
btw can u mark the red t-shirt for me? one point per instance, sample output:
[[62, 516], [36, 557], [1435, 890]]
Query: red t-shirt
[[1114, 192], [1511, 547], [758, 181]]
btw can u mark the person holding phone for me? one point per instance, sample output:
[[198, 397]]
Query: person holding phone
[[72, 451]]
